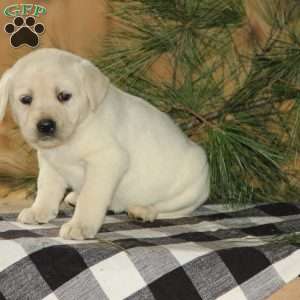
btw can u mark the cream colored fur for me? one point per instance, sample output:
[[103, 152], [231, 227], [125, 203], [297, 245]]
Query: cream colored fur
[[113, 149]]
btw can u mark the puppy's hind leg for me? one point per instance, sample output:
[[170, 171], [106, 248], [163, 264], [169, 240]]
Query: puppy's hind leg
[[145, 213], [71, 198], [161, 210], [152, 212], [193, 192]]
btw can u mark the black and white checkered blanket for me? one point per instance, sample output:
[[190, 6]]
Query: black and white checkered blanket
[[215, 254]]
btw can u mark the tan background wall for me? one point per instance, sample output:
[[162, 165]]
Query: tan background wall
[[74, 25]]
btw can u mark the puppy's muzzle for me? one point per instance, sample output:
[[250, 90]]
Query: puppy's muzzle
[[46, 127]]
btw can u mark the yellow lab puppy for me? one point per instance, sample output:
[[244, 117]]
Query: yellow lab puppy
[[114, 150]]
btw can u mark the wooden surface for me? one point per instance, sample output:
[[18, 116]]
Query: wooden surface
[[289, 292]]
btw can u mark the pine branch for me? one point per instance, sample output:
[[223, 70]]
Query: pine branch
[[249, 138]]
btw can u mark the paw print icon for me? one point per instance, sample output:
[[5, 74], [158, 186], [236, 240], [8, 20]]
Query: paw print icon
[[24, 32]]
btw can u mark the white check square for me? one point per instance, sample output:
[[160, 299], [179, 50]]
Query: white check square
[[186, 252], [11, 252], [51, 297], [118, 277], [234, 294], [289, 267]]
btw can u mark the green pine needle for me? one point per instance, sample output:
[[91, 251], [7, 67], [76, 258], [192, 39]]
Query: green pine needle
[[249, 139]]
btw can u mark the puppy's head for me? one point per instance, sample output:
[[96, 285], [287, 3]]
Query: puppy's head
[[50, 93]]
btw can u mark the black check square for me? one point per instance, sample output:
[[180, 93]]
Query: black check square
[[58, 264], [164, 287], [280, 209], [244, 262]]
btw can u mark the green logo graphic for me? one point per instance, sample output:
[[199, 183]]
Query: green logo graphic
[[16, 10]]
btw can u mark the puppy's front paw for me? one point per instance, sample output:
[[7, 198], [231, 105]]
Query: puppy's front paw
[[36, 216], [75, 231]]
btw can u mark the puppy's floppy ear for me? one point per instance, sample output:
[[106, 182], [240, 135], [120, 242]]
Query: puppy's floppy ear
[[4, 92], [94, 82]]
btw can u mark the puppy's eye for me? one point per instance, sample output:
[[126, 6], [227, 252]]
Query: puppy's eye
[[26, 99], [64, 96]]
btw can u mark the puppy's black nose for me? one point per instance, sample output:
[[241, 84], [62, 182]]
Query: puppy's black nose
[[46, 127]]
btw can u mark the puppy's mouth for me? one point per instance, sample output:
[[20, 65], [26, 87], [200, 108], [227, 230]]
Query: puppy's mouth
[[46, 137], [47, 141]]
